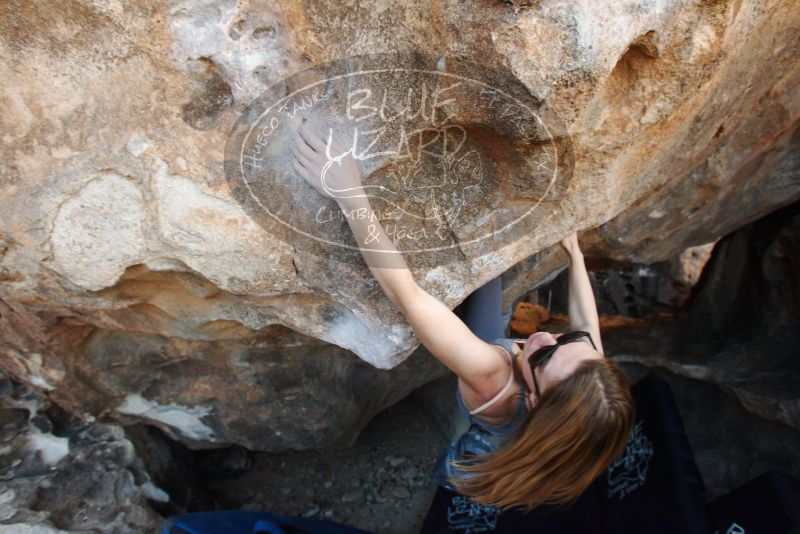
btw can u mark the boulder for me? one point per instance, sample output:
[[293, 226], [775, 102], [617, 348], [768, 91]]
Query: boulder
[[739, 329], [63, 475], [136, 283]]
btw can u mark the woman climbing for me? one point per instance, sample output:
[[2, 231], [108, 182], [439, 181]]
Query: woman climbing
[[540, 421]]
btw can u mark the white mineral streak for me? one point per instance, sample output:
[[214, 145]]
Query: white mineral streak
[[25, 528], [352, 334], [151, 491], [187, 421], [52, 448]]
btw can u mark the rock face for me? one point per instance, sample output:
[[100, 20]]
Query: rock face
[[739, 331], [624, 292], [62, 475], [134, 285]]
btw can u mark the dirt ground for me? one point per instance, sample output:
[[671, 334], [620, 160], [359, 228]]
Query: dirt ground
[[383, 483]]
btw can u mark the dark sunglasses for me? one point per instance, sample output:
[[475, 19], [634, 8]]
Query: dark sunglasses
[[541, 355]]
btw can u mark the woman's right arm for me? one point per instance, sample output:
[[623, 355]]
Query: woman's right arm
[[478, 364], [582, 306]]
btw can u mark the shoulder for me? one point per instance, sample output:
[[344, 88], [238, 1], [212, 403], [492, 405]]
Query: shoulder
[[506, 406]]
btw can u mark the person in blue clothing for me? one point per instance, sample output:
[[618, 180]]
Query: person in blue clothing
[[541, 418]]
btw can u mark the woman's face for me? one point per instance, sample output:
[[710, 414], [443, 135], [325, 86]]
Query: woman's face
[[559, 366]]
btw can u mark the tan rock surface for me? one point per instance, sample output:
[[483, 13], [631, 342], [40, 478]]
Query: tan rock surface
[[134, 283]]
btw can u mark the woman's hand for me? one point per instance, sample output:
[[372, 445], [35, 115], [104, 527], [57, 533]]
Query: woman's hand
[[570, 244], [331, 170]]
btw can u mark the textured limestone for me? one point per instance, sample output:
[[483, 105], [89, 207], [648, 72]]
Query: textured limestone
[[129, 269], [99, 231], [61, 474], [739, 331]]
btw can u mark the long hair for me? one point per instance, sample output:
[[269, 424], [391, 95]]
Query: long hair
[[579, 426]]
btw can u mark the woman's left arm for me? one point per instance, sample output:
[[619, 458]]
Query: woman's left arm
[[479, 364], [582, 306]]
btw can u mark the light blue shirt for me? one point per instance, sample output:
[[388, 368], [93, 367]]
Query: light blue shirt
[[474, 437]]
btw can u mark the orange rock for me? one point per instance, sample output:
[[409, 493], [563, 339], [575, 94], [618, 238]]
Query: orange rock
[[527, 317], [611, 321]]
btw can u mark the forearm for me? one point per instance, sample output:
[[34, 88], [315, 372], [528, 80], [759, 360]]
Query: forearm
[[478, 364], [383, 258], [582, 306]]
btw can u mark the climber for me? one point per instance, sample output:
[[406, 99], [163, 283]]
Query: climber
[[543, 417]]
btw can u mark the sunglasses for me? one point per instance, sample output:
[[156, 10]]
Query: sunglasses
[[541, 355]]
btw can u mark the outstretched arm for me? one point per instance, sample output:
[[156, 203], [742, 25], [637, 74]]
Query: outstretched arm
[[582, 307], [479, 365]]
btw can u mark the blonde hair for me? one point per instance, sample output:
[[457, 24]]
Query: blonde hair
[[579, 426]]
